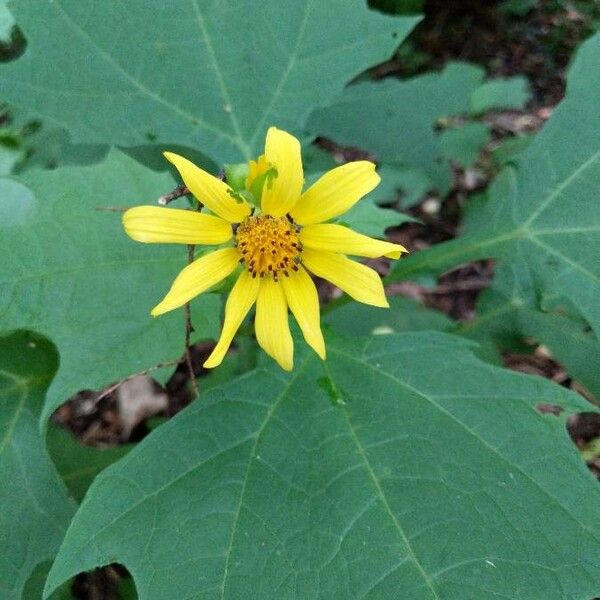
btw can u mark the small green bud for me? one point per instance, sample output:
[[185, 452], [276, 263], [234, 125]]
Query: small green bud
[[235, 176]]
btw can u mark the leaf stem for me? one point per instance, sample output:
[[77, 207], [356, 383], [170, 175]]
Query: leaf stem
[[189, 328]]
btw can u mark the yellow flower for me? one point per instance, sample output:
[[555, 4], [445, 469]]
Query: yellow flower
[[274, 245]]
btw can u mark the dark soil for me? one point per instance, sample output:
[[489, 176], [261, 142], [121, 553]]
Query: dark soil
[[534, 39]]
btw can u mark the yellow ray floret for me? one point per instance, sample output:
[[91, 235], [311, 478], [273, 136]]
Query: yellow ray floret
[[271, 323], [303, 300], [197, 277], [281, 193], [336, 192], [210, 191], [358, 281], [241, 299], [277, 242], [330, 237], [175, 226]]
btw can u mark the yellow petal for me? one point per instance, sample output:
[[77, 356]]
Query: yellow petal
[[303, 300], [173, 225], [197, 277], [241, 298], [336, 238], [282, 192], [335, 192], [358, 281], [271, 324], [210, 191]]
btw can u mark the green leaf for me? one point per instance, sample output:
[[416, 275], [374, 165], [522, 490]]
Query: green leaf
[[75, 276], [77, 464], [34, 588], [381, 117], [210, 75], [463, 144], [48, 146], [402, 315], [7, 22], [510, 310], [510, 93], [509, 148], [35, 509], [400, 186], [316, 161], [543, 212], [11, 151], [370, 219], [413, 184], [407, 464]]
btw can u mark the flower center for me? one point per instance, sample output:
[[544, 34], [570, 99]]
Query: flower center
[[269, 245]]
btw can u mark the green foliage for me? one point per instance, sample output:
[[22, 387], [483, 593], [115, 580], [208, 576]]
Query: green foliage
[[381, 117], [500, 93], [227, 114], [11, 152], [203, 74], [404, 465], [510, 309], [539, 215], [35, 509], [75, 277], [509, 148], [399, 121], [77, 464], [7, 22], [370, 219], [403, 315], [464, 143]]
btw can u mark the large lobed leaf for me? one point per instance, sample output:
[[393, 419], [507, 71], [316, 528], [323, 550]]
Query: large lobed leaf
[[542, 216], [35, 509], [381, 117], [211, 75], [407, 469], [70, 273], [399, 121], [511, 309]]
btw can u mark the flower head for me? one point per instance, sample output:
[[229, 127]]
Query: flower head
[[274, 244]]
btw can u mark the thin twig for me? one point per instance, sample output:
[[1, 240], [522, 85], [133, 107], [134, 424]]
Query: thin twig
[[189, 328], [180, 190], [109, 390]]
